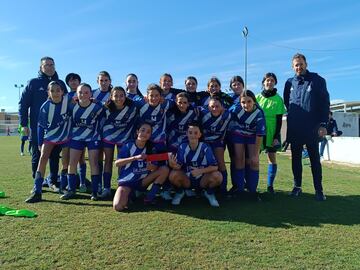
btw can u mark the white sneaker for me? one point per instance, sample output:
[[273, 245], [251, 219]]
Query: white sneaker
[[212, 199], [166, 195], [190, 193], [177, 198], [105, 193], [22, 153]]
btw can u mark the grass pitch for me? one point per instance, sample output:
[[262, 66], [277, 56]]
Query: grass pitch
[[278, 233]]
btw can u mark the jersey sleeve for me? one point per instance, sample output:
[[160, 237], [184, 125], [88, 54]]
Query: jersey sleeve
[[124, 152], [43, 121], [180, 156], [210, 158], [260, 124]]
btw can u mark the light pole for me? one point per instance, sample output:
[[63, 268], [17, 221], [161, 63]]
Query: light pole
[[245, 34], [19, 86]]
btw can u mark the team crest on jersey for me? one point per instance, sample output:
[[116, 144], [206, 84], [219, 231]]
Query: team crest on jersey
[[194, 163], [140, 164]]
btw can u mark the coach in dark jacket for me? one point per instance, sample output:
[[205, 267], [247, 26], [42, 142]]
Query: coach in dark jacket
[[33, 96], [307, 101]]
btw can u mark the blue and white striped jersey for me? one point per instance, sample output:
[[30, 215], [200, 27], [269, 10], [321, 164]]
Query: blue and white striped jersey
[[177, 125], [72, 94], [86, 122], [133, 96], [155, 115], [214, 128], [201, 157], [135, 170], [101, 96], [246, 124], [235, 97], [119, 126], [54, 120]]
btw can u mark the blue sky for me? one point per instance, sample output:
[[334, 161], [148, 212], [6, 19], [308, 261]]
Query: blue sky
[[199, 38]]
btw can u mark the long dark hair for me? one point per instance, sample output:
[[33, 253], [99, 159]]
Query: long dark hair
[[138, 92], [110, 103]]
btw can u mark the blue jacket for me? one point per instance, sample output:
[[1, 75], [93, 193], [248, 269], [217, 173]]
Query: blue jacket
[[307, 101], [33, 96]]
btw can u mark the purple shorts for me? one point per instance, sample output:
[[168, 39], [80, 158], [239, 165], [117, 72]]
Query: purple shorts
[[216, 144], [133, 184], [243, 140], [80, 145]]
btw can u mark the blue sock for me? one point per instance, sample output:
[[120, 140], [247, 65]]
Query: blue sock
[[72, 182], [232, 173], [254, 180], [247, 176], [95, 179], [167, 185], [101, 167], [107, 180], [38, 181], [153, 191], [239, 179], [223, 186], [82, 173], [272, 168], [63, 179], [210, 191], [53, 178]]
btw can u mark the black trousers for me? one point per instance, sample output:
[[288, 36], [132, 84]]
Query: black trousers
[[296, 162]]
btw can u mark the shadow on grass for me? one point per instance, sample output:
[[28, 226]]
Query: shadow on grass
[[278, 211]]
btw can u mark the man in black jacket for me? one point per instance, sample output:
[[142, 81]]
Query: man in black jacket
[[307, 101]]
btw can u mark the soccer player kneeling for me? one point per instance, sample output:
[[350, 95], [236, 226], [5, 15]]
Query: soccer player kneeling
[[194, 166]]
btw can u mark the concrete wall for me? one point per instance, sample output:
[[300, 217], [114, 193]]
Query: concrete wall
[[343, 149]]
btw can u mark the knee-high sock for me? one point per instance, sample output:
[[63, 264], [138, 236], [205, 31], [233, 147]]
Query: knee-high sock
[[82, 173], [223, 186], [95, 179], [153, 191], [38, 181], [63, 178], [272, 168], [71, 182], [247, 176], [253, 181], [232, 174], [167, 185], [101, 169], [239, 179], [107, 179]]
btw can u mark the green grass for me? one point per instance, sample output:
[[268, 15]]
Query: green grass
[[277, 233]]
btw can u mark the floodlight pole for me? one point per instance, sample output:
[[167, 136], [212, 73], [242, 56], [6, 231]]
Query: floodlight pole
[[19, 86], [245, 34]]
